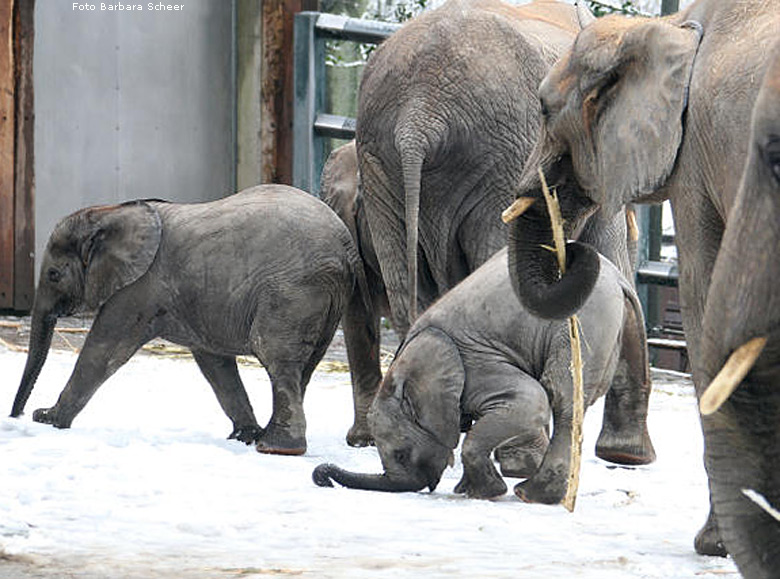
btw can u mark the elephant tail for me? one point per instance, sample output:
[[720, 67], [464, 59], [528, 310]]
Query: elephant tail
[[412, 156]]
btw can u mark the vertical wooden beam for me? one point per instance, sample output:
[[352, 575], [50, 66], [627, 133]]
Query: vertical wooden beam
[[277, 88], [24, 153], [6, 154]]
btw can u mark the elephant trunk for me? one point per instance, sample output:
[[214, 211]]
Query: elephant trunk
[[325, 473], [41, 332], [534, 272], [740, 349], [742, 456]]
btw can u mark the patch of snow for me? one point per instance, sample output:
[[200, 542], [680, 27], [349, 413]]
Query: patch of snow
[[145, 484]]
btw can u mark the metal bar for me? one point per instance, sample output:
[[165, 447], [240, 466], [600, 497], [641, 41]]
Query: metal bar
[[354, 29], [669, 6], [658, 273], [309, 98], [310, 125], [335, 126]]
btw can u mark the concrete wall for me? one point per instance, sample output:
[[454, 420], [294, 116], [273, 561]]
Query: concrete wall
[[132, 104]]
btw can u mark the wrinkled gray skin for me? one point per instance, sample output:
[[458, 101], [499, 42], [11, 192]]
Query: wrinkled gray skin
[[266, 271], [645, 110], [339, 190], [744, 303], [447, 116], [478, 352]]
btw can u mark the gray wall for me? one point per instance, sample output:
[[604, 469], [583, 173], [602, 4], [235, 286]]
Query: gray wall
[[132, 105]]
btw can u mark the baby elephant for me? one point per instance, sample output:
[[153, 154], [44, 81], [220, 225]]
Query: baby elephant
[[266, 271], [477, 353]]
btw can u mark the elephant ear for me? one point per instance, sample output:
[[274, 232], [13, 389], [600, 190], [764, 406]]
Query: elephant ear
[[634, 107], [431, 382], [118, 245]]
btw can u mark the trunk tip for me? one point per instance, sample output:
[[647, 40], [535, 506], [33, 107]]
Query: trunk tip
[[322, 473]]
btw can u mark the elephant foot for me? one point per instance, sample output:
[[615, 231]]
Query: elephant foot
[[634, 449], [495, 487], [544, 488], [49, 416], [359, 436], [248, 434], [279, 441], [707, 541], [521, 461]]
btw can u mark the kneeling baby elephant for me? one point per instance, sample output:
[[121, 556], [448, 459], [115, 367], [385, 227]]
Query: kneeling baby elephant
[[266, 271], [478, 353]]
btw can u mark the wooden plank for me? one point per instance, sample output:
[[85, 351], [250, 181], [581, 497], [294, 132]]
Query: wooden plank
[[277, 89], [24, 183], [6, 154]]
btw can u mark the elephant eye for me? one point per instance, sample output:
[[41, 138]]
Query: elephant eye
[[54, 275], [545, 108], [772, 152], [402, 456]]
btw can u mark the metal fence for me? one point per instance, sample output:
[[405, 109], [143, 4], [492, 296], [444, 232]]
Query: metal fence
[[312, 126]]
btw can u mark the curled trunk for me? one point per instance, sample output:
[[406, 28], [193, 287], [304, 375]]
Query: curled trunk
[[324, 474], [41, 332], [534, 269]]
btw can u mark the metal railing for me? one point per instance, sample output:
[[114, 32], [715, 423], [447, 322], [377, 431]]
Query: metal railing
[[311, 124]]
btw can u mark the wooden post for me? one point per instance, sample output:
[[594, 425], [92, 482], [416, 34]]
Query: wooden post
[[7, 128], [17, 210], [277, 88], [24, 182]]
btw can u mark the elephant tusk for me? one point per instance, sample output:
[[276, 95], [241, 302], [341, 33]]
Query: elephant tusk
[[761, 501], [733, 372], [516, 209]]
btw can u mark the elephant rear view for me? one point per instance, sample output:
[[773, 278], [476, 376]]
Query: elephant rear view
[[446, 118], [266, 271]]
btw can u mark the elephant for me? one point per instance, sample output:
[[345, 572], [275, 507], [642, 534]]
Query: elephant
[[340, 191], [478, 352], [447, 116], [643, 110], [360, 324], [743, 305], [266, 271]]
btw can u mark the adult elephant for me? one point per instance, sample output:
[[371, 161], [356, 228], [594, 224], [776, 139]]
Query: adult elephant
[[447, 117], [644, 110], [743, 307]]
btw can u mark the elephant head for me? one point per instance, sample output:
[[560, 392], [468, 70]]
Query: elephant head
[[743, 308], [415, 418], [90, 255], [612, 124]]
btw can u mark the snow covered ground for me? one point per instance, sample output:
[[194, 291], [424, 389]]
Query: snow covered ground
[[145, 485]]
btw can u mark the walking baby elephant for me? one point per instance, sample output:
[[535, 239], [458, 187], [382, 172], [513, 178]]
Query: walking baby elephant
[[478, 353], [266, 271]]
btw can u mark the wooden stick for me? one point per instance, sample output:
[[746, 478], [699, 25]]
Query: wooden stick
[[516, 209], [578, 394]]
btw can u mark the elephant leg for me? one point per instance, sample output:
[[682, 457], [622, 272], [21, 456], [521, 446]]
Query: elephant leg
[[222, 374], [290, 342], [362, 337], [286, 430], [523, 418], [624, 437], [548, 483], [708, 541], [521, 457], [110, 343]]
